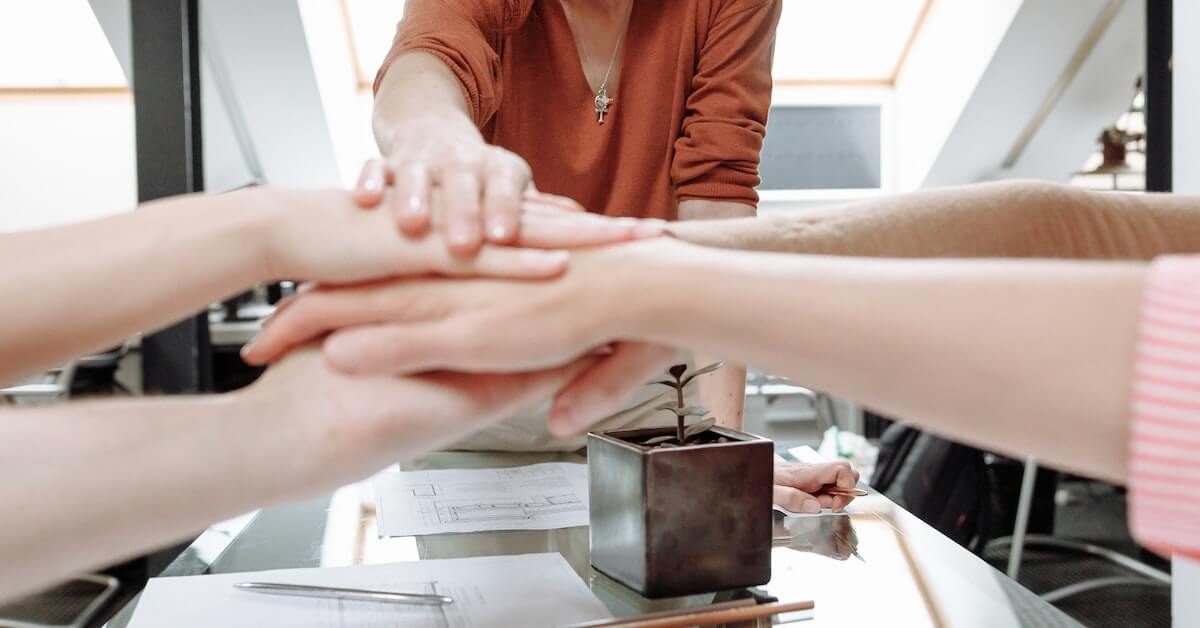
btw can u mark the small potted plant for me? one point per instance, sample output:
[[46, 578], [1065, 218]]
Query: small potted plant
[[683, 509]]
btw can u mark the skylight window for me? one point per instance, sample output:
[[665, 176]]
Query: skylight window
[[834, 41], [54, 44], [847, 41]]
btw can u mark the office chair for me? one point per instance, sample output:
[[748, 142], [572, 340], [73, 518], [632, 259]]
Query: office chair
[[1147, 576]]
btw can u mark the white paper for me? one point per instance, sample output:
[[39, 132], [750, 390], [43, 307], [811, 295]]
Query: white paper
[[502, 591], [534, 497]]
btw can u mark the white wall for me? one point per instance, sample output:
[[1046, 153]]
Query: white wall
[[65, 159], [1033, 57], [1098, 94], [947, 60], [1186, 177]]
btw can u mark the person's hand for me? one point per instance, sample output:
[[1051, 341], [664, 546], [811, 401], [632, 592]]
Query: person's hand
[[356, 425], [409, 326], [799, 486], [321, 235], [439, 165]]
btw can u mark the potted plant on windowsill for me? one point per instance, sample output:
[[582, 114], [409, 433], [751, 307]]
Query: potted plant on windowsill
[[683, 509]]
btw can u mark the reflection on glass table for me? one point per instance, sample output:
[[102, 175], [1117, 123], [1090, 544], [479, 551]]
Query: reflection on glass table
[[905, 572]]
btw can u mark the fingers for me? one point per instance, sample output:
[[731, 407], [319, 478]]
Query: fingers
[[505, 177], [368, 192], [535, 199], [795, 500], [409, 201], [456, 200], [415, 348], [541, 228], [603, 389], [303, 319], [509, 263]]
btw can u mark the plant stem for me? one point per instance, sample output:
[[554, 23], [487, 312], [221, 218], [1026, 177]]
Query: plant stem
[[679, 418]]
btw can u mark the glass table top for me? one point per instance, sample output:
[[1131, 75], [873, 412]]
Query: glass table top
[[879, 565]]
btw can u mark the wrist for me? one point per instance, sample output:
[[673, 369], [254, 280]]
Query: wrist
[[293, 443], [634, 287], [275, 216], [407, 129]]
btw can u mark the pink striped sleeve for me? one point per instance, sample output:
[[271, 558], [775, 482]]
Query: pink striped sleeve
[[1164, 460]]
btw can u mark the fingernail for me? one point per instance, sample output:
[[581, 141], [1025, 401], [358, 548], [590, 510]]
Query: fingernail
[[498, 231], [811, 506], [372, 184], [414, 205]]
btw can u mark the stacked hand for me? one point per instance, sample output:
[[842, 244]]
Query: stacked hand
[[328, 238], [406, 326]]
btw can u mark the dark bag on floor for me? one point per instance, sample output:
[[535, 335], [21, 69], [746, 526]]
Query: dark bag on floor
[[942, 482]]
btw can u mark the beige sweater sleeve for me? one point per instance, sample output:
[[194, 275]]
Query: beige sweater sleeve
[[1004, 219]]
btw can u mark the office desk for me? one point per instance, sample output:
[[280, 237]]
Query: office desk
[[905, 573]]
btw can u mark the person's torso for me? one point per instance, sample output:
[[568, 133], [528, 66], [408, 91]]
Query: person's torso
[[547, 113]]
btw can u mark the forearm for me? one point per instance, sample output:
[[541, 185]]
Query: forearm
[[724, 392], [416, 89], [128, 477], [82, 287], [1021, 357], [1006, 219]]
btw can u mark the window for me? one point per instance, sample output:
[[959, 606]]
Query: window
[[818, 41], [845, 41], [55, 44], [371, 24]]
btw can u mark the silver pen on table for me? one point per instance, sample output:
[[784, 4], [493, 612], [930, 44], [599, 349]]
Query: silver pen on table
[[364, 595]]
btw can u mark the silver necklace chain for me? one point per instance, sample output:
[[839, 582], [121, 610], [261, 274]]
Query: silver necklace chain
[[602, 101]]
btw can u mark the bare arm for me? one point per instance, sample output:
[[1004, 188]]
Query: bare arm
[[1006, 219], [1020, 356], [176, 256], [419, 87], [1017, 356], [427, 131], [168, 259], [96, 483]]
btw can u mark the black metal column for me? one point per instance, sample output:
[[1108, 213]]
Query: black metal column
[[1159, 94], [166, 95]]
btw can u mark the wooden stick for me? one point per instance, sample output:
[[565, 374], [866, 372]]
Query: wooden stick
[[844, 492], [699, 617]]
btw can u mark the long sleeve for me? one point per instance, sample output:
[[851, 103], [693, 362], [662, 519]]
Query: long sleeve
[[1164, 454], [1004, 219], [716, 157], [466, 35]]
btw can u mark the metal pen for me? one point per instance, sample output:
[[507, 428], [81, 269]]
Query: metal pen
[[337, 593]]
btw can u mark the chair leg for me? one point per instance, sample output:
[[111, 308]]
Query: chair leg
[[1024, 505]]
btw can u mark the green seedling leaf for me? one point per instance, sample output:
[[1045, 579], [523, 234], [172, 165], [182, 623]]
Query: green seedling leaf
[[699, 428], [665, 382], [678, 370], [658, 439], [670, 405], [693, 411], [708, 369]]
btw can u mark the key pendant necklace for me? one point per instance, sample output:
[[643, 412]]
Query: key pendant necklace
[[603, 102]]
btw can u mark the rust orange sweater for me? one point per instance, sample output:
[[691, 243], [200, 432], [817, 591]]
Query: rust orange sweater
[[690, 105]]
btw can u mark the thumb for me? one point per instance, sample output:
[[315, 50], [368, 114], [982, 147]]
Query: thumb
[[795, 500]]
